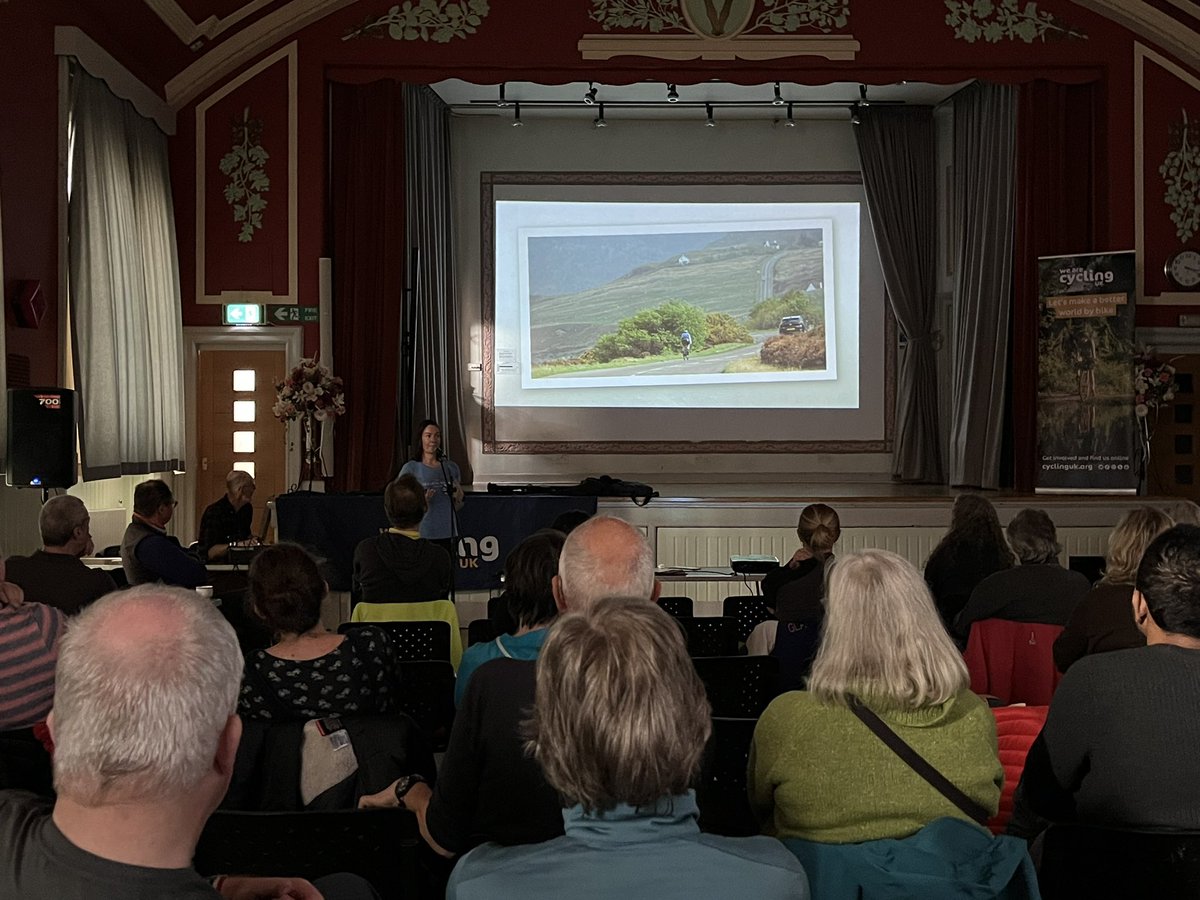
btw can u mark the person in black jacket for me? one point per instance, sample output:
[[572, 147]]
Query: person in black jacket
[[969, 552], [398, 565]]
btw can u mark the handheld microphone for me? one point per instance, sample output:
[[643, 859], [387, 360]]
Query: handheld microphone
[[439, 453]]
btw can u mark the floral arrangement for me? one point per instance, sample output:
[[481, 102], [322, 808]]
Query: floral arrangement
[[310, 389], [1153, 382]]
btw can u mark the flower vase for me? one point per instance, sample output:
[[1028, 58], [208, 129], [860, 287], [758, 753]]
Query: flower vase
[[312, 469]]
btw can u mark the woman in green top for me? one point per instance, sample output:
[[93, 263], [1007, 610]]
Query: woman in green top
[[818, 773]]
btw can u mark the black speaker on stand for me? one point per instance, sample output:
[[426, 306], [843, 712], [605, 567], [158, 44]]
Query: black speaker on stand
[[41, 437]]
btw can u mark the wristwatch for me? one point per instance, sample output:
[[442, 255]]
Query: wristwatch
[[405, 783]]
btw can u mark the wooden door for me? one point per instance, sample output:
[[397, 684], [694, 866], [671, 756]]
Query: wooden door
[[235, 390]]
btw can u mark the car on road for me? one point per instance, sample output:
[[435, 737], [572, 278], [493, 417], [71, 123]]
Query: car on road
[[793, 325]]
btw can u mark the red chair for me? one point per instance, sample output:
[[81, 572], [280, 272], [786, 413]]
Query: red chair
[[1016, 729], [1013, 661]]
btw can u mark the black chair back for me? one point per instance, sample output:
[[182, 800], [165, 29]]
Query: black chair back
[[721, 787], [750, 611], [795, 647], [414, 640], [1093, 862], [378, 844], [738, 687], [678, 606], [710, 635], [481, 631], [427, 694]]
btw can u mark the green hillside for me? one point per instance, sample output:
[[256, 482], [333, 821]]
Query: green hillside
[[720, 279]]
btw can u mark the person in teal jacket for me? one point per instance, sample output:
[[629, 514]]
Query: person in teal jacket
[[528, 573], [619, 726]]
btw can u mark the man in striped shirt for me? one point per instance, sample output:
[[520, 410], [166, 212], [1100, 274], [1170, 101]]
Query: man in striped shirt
[[29, 635]]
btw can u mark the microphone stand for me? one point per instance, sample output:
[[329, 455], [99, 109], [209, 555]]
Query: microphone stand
[[448, 486]]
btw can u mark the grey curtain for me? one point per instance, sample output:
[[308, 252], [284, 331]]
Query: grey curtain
[[985, 129], [438, 384], [3, 361], [896, 148], [127, 334]]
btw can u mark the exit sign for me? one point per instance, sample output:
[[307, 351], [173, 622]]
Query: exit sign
[[241, 314], [293, 315]]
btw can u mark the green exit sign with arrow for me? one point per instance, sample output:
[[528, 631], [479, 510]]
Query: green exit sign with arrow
[[293, 315]]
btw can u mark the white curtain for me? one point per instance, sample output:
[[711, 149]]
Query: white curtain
[[127, 333]]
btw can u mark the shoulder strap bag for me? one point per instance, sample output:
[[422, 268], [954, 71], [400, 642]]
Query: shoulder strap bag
[[919, 764]]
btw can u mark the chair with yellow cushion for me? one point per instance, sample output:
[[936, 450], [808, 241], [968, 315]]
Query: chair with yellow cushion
[[429, 611]]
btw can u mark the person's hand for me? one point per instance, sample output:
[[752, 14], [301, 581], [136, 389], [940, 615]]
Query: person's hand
[[11, 594], [248, 887], [385, 799], [801, 554], [429, 492]]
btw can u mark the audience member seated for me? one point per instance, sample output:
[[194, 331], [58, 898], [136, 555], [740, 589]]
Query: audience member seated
[[1103, 620], [795, 591], [528, 574], [55, 575], [488, 788], [1037, 590], [398, 565], [29, 636], [310, 672], [1119, 746], [969, 552], [145, 734], [230, 520], [619, 726], [819, 773], [148, 553]]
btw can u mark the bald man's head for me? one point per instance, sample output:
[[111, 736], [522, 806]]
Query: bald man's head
[[147, 680], [604, 557]]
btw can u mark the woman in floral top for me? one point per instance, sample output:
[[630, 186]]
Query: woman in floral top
[[311, 672]]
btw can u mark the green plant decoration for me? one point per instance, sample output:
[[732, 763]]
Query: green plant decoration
[[426, 20], [248, 179], [1005, 20], [1180, 171], [652, 15], [788, 16]]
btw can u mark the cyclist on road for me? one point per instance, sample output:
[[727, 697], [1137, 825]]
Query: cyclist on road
[[685, 341]]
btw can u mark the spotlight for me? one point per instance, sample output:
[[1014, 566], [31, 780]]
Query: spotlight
[[500, 101], [778, 101], [599, 122], [711, 122], [789, 122], [854, 117], [672, 94], [517, 123], [862, 95], [590, 97]]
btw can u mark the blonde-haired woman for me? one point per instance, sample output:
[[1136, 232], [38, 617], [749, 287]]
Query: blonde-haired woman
[[793, 591], [817, 772], [1103, 620]]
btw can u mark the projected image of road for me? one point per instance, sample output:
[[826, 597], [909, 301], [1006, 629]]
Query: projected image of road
[[695, 305]]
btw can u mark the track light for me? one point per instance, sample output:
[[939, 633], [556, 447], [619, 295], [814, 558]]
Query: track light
[[789, 122], [599, 122], [711, 122], [517, 123], [854, 117], [590, 97], [672, 94], [778, 100], [862, 95], [500, 101]]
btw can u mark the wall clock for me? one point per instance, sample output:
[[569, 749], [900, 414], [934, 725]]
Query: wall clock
[[1183, 269]]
